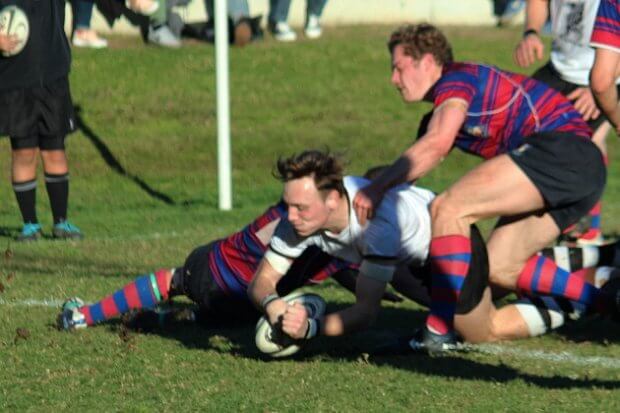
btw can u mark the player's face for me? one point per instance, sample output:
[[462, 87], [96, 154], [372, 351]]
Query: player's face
[[307, 210], [409, 76]]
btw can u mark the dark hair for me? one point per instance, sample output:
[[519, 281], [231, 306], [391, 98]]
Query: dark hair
[[325, 168], [419, 39]]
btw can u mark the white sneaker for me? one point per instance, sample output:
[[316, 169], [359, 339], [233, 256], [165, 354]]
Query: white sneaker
[[88, 38], [282, 32], [163, 36], [313, 27]]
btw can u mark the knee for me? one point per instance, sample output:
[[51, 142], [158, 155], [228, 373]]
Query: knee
[[54, 161], [25, 157], [444, 208]]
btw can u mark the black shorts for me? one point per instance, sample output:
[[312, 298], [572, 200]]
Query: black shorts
[[219, 306], [45, 143], [45, 111], [567, 170], [473, 287], [550, 76], [215, 305]]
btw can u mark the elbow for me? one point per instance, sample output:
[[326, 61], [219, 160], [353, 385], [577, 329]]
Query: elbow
[[600, 81]]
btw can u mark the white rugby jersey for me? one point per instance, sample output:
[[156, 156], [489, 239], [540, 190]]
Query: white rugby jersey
[[572, 22], [399, 232]]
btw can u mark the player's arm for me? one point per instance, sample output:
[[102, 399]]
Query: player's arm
[[362, 314], [347, 278], [420, 158], [262, 290], [531, 47], [603, 77], [369, 290]]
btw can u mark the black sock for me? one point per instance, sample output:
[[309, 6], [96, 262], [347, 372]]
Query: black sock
[[26, 194], [58, 192]]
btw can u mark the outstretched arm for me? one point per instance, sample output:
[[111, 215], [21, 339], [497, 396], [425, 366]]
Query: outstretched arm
[[262, 291], [421, 157], [361, 315]]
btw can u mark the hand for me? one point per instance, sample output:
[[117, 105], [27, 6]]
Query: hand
[[275, 310], [584, 103], [365, 202], [7, 43], [529, 49], [295, 321]]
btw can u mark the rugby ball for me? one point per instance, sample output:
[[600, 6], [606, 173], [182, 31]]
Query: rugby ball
[[14, 22], [277, 344]]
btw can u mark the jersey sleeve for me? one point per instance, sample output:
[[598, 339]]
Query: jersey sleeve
[[285, 246], [606, 32], [381, 242], [455, 85]]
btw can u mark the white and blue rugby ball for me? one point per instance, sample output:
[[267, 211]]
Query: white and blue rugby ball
[[277, 344], [13, 21]]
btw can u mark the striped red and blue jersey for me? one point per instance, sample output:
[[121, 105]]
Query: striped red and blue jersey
[[234, 260], [606, 32], [503, 108]]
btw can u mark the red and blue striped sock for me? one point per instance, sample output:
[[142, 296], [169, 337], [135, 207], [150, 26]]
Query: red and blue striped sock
[[145, 292], [541, 275], [450, 258], [594, 231]]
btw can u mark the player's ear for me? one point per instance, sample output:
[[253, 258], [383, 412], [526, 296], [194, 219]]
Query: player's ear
[[427, 60], [332, 199]]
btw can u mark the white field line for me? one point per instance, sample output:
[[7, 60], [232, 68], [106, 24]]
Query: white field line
[[32, 302], [562, 357]]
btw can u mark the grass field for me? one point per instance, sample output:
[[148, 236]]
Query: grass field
[[144, 191]]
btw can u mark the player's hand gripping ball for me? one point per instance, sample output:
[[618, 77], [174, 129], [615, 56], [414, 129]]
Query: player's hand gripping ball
[[14, 22], [272, 341]]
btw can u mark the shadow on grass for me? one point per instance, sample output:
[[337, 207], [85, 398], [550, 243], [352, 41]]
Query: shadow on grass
[[113, 163], [238, 339]]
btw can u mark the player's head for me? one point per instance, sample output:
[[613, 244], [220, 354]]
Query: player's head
[[418, 52], [313, 189]]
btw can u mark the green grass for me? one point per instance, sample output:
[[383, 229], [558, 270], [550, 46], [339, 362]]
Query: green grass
[[153, 110]]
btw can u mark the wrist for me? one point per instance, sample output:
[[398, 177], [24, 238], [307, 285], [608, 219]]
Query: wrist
[[268, 299], [530, 32]]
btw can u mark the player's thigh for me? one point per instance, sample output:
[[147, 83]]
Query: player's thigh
[[494, 188], [513, 241]]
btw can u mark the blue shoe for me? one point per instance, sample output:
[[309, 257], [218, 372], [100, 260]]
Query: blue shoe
[[30, 232], [70, 317], [66, 230]]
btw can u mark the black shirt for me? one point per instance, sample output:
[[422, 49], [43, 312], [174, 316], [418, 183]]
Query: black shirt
[[46, 56]]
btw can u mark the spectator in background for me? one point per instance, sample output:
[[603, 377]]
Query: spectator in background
[[159, 31], [36, 111], [507, 10], [278, 16], [604, 74], [83, 35], [239, 17], [567, 70]]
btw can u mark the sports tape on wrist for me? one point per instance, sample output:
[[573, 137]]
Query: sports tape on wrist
[[268, 299], [314, 328]]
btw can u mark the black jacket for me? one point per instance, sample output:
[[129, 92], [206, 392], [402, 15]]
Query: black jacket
[[47, 55]]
